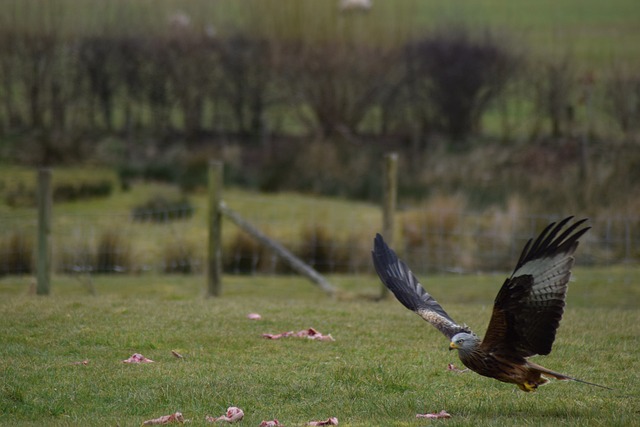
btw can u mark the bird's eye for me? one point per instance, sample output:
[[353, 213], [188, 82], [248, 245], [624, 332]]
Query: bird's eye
[[460, 341]]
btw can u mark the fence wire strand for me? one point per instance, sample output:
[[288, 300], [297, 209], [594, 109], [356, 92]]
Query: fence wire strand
[[329, 239]]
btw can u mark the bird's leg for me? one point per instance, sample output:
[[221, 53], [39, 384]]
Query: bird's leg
[[528, 386]]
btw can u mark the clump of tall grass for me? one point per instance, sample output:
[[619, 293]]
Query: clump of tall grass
[[494, 247], [244, 255], [317, 246], [180, 257], [16, 254], [113, 253], [159, 208], [322, 250], [77, 257], [435, 236]]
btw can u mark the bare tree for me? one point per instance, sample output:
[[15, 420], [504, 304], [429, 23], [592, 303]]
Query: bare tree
[[457, 75], [623, 98], [338, 83], [247, 82], [554, 85]]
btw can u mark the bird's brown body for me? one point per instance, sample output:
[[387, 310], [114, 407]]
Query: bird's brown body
[[526, 312], [509, 369]]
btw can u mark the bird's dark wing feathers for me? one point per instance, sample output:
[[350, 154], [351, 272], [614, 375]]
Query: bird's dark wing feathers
[[529, 306], [400, 280]]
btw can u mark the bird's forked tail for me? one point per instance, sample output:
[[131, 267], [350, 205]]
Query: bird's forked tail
[[562, 377]]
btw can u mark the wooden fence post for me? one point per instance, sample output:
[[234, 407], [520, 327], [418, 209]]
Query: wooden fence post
[[390, 195], [43, 261], [214, 256]]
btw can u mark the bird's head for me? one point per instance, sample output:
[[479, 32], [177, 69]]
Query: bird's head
[[464, 342]]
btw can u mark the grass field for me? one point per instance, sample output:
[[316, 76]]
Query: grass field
[[385, 365]]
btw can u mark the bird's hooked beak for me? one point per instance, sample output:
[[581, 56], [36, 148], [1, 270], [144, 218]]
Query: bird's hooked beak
[[452, 346]]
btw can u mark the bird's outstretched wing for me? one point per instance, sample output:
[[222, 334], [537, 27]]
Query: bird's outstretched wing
[[530, 304], [400, 280]]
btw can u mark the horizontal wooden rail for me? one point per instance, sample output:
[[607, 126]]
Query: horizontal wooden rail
[[296, 263]]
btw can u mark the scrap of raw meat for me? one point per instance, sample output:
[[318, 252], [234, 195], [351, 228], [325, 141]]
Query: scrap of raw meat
[[272, 423], [233, 415], [305, 333], [167, 419], [176, 354], [84, 362], [333, 421], [441, 414], [278, 336], [315, 335], [452, 367], [137, 358], [254, 316]]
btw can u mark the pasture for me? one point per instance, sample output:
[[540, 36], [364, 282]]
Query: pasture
[[385, 365]]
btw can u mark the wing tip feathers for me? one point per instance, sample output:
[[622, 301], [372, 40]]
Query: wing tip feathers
[[551, 241]]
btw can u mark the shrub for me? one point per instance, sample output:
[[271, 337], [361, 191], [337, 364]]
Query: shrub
[[77, 257], [67, 192], [322, 250], [113, 253], [161, 209], [324, 167], [20, 196], [244, 255], [433, 236], [194, 172], [623, 99], [247, 83], [496, 247], [179, 257], [554, 89], [16, 254], [340, 83], [162, 170], [458, 75]]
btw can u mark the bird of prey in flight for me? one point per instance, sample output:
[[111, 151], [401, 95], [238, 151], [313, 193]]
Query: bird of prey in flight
[[526, 311]]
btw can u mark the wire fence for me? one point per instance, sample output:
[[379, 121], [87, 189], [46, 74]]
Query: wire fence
[[326, 234]]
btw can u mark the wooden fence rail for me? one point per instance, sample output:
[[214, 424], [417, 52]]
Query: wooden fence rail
[[294, 262]]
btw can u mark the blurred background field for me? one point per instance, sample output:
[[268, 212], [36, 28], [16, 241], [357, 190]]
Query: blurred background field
[[485, 101], [505, 116], [153, 227]]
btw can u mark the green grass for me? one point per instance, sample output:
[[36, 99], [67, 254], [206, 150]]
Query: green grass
[[385, 366]]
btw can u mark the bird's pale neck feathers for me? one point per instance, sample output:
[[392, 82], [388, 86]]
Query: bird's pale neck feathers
[[465, 343]]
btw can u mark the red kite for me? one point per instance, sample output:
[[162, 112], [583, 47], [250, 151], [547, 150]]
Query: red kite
[[526, 311]]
